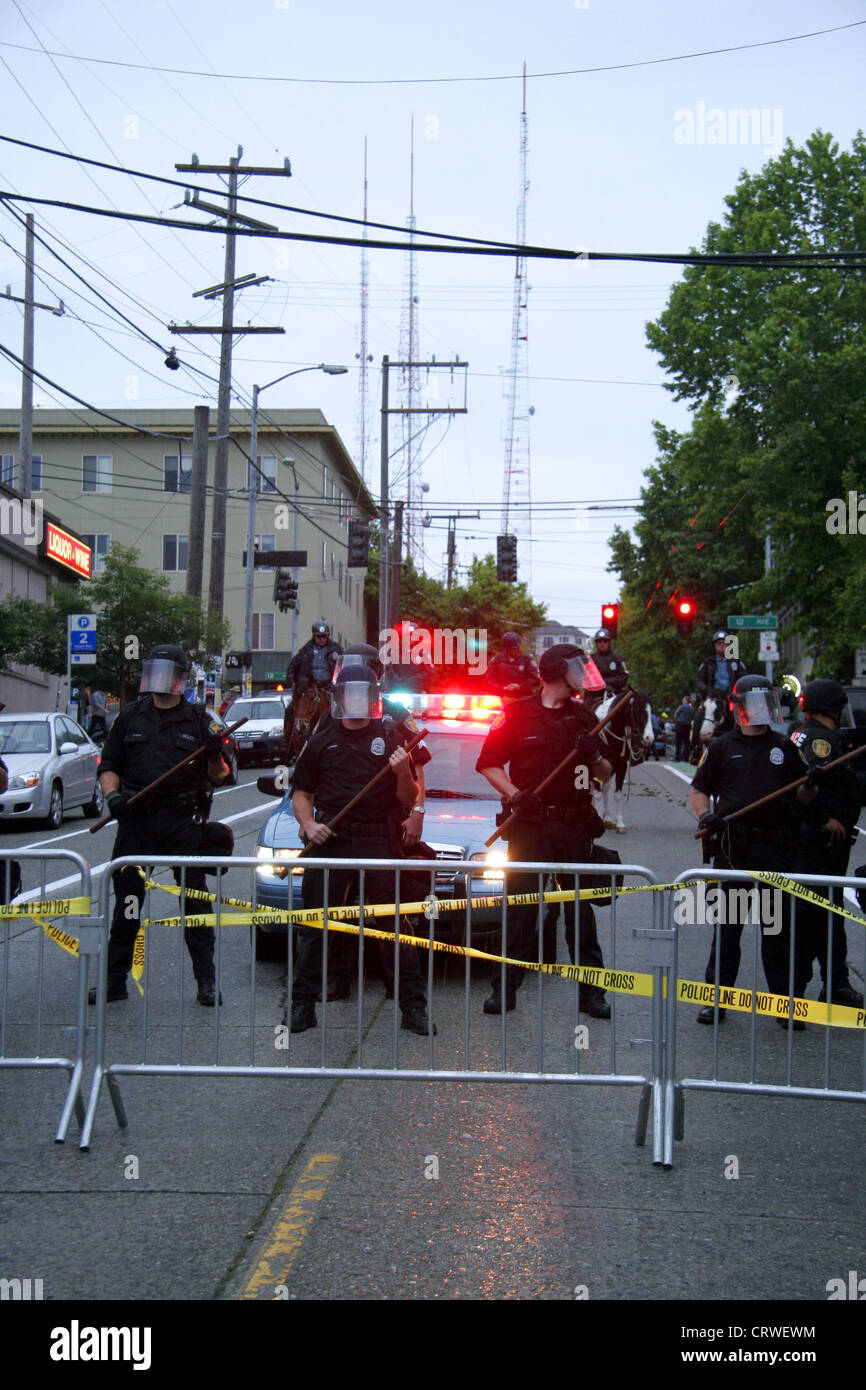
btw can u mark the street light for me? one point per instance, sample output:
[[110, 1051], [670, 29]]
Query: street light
[[330, 370]]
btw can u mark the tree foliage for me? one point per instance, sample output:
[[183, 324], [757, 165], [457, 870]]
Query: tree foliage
[[136, 610], [773, 364]]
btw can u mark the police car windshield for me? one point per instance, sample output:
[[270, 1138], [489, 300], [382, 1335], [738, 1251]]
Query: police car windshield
[[257, 709], [24, 736], [451, 772]]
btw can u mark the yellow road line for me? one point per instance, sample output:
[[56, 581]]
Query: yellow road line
[[290, 1229]]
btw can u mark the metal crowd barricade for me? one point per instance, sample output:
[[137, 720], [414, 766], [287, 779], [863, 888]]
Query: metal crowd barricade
[[744, 1004], [23, 981], [359, 1051]]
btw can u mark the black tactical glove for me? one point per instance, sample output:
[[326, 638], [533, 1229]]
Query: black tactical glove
[[713, 824], [586, 749], [118, 805], [213, 740], [816, 775], [524, 802]]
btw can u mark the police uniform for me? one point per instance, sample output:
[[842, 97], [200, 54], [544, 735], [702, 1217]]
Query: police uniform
[[711, 674], [612, 669], [502, 672], [839, 798], [532, 738], [144, 742], [739, 768], [335, 764]]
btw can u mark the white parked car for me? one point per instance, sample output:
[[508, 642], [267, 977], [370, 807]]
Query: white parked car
[[52, 766]]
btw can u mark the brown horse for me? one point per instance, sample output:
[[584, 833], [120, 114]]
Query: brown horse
[[303, 715]]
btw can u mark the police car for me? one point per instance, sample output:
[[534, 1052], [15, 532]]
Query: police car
[[461, 809]]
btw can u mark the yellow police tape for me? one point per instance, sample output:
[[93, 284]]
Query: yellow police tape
[[48, 907]]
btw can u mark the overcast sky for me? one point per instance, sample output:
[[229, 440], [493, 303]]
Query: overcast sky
[[619, 161]]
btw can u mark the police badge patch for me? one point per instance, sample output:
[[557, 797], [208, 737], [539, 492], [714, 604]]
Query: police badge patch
[[377, 747], [821, 748], [776, 756]]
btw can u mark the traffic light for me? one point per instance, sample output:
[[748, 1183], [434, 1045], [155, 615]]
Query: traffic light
[[685, 617], [285, 591], [610, 617], [506, 559], [359, 542]]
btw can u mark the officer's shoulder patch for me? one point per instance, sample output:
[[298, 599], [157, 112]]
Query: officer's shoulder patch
[[498, 722], [703, 757], [409, 723], [821, 748]]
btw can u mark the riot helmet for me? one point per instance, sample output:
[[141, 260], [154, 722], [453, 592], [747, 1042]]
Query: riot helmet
[[571, 664], [756, 701], [825, 697], [355, 694], [359, 654], [511, 641], [165, 671]]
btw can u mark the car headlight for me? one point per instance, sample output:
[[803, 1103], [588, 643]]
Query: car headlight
[[494, 859], [275, 870], [275, 731], [24, 779]]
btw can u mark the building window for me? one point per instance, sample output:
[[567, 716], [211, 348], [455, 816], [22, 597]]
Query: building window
[[324, 480], [172, 480], [96, 473], [7, 463], [268, 466], [263, 544], [174, 552], [263, 632], [36, 472], [100, 545]]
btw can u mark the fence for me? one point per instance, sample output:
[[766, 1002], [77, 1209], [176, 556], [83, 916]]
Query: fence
[[755, 1003], [542, 1042], [25, 924], [519, 1057]]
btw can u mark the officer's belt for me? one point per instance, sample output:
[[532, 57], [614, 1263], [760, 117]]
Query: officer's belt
[[185, 799], [556, 812], [739, 831], [365, 829]]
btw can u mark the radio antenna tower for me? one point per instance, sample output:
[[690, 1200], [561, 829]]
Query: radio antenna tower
[[410, 384], [516, 490], [362, 417]]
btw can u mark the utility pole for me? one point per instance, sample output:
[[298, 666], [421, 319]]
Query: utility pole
[[197, 492], [451, 550], [396, 563], [227, 331], [387, 364], [25, 438]]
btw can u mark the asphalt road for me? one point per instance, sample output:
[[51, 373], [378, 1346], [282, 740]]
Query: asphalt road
[[310, 1188]]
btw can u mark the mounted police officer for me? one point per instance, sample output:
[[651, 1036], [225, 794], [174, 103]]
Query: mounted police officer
[[313, 665], [610, 664], [511, 674], [531, 737], [827, 833], [148, 738], [719, 671], [335, 765], [737, 769]]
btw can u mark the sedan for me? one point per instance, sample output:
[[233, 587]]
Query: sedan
[[461, 814], [52, 766], [261, 739]]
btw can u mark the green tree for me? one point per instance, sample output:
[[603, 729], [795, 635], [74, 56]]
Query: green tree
[[773, 363], [136, 610]]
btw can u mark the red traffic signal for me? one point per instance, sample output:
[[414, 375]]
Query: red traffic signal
[[685, 617], [610, 617]]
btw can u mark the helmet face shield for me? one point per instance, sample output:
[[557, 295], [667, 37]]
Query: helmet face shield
[[758, 707], [357, 659], [356, 699], [581, 673], [162, 676]]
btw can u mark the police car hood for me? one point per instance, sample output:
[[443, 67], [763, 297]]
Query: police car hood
[[280, 830], [459, 823]]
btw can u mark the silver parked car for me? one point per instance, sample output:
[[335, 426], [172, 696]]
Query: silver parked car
[[52, 767]]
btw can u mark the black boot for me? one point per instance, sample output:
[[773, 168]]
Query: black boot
[[303, 1017], [207, 991], [493, 1004], [115, 989]]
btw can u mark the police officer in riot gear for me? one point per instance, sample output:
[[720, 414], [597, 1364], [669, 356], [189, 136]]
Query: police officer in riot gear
[[335, 764], [738, 768], [511, 674], [531, 737], [148, 738], [826, 833], [610, 664]]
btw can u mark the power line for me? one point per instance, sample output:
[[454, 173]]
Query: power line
[[427, 81]]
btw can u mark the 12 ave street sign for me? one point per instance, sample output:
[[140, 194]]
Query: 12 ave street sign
[[758, 620]]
